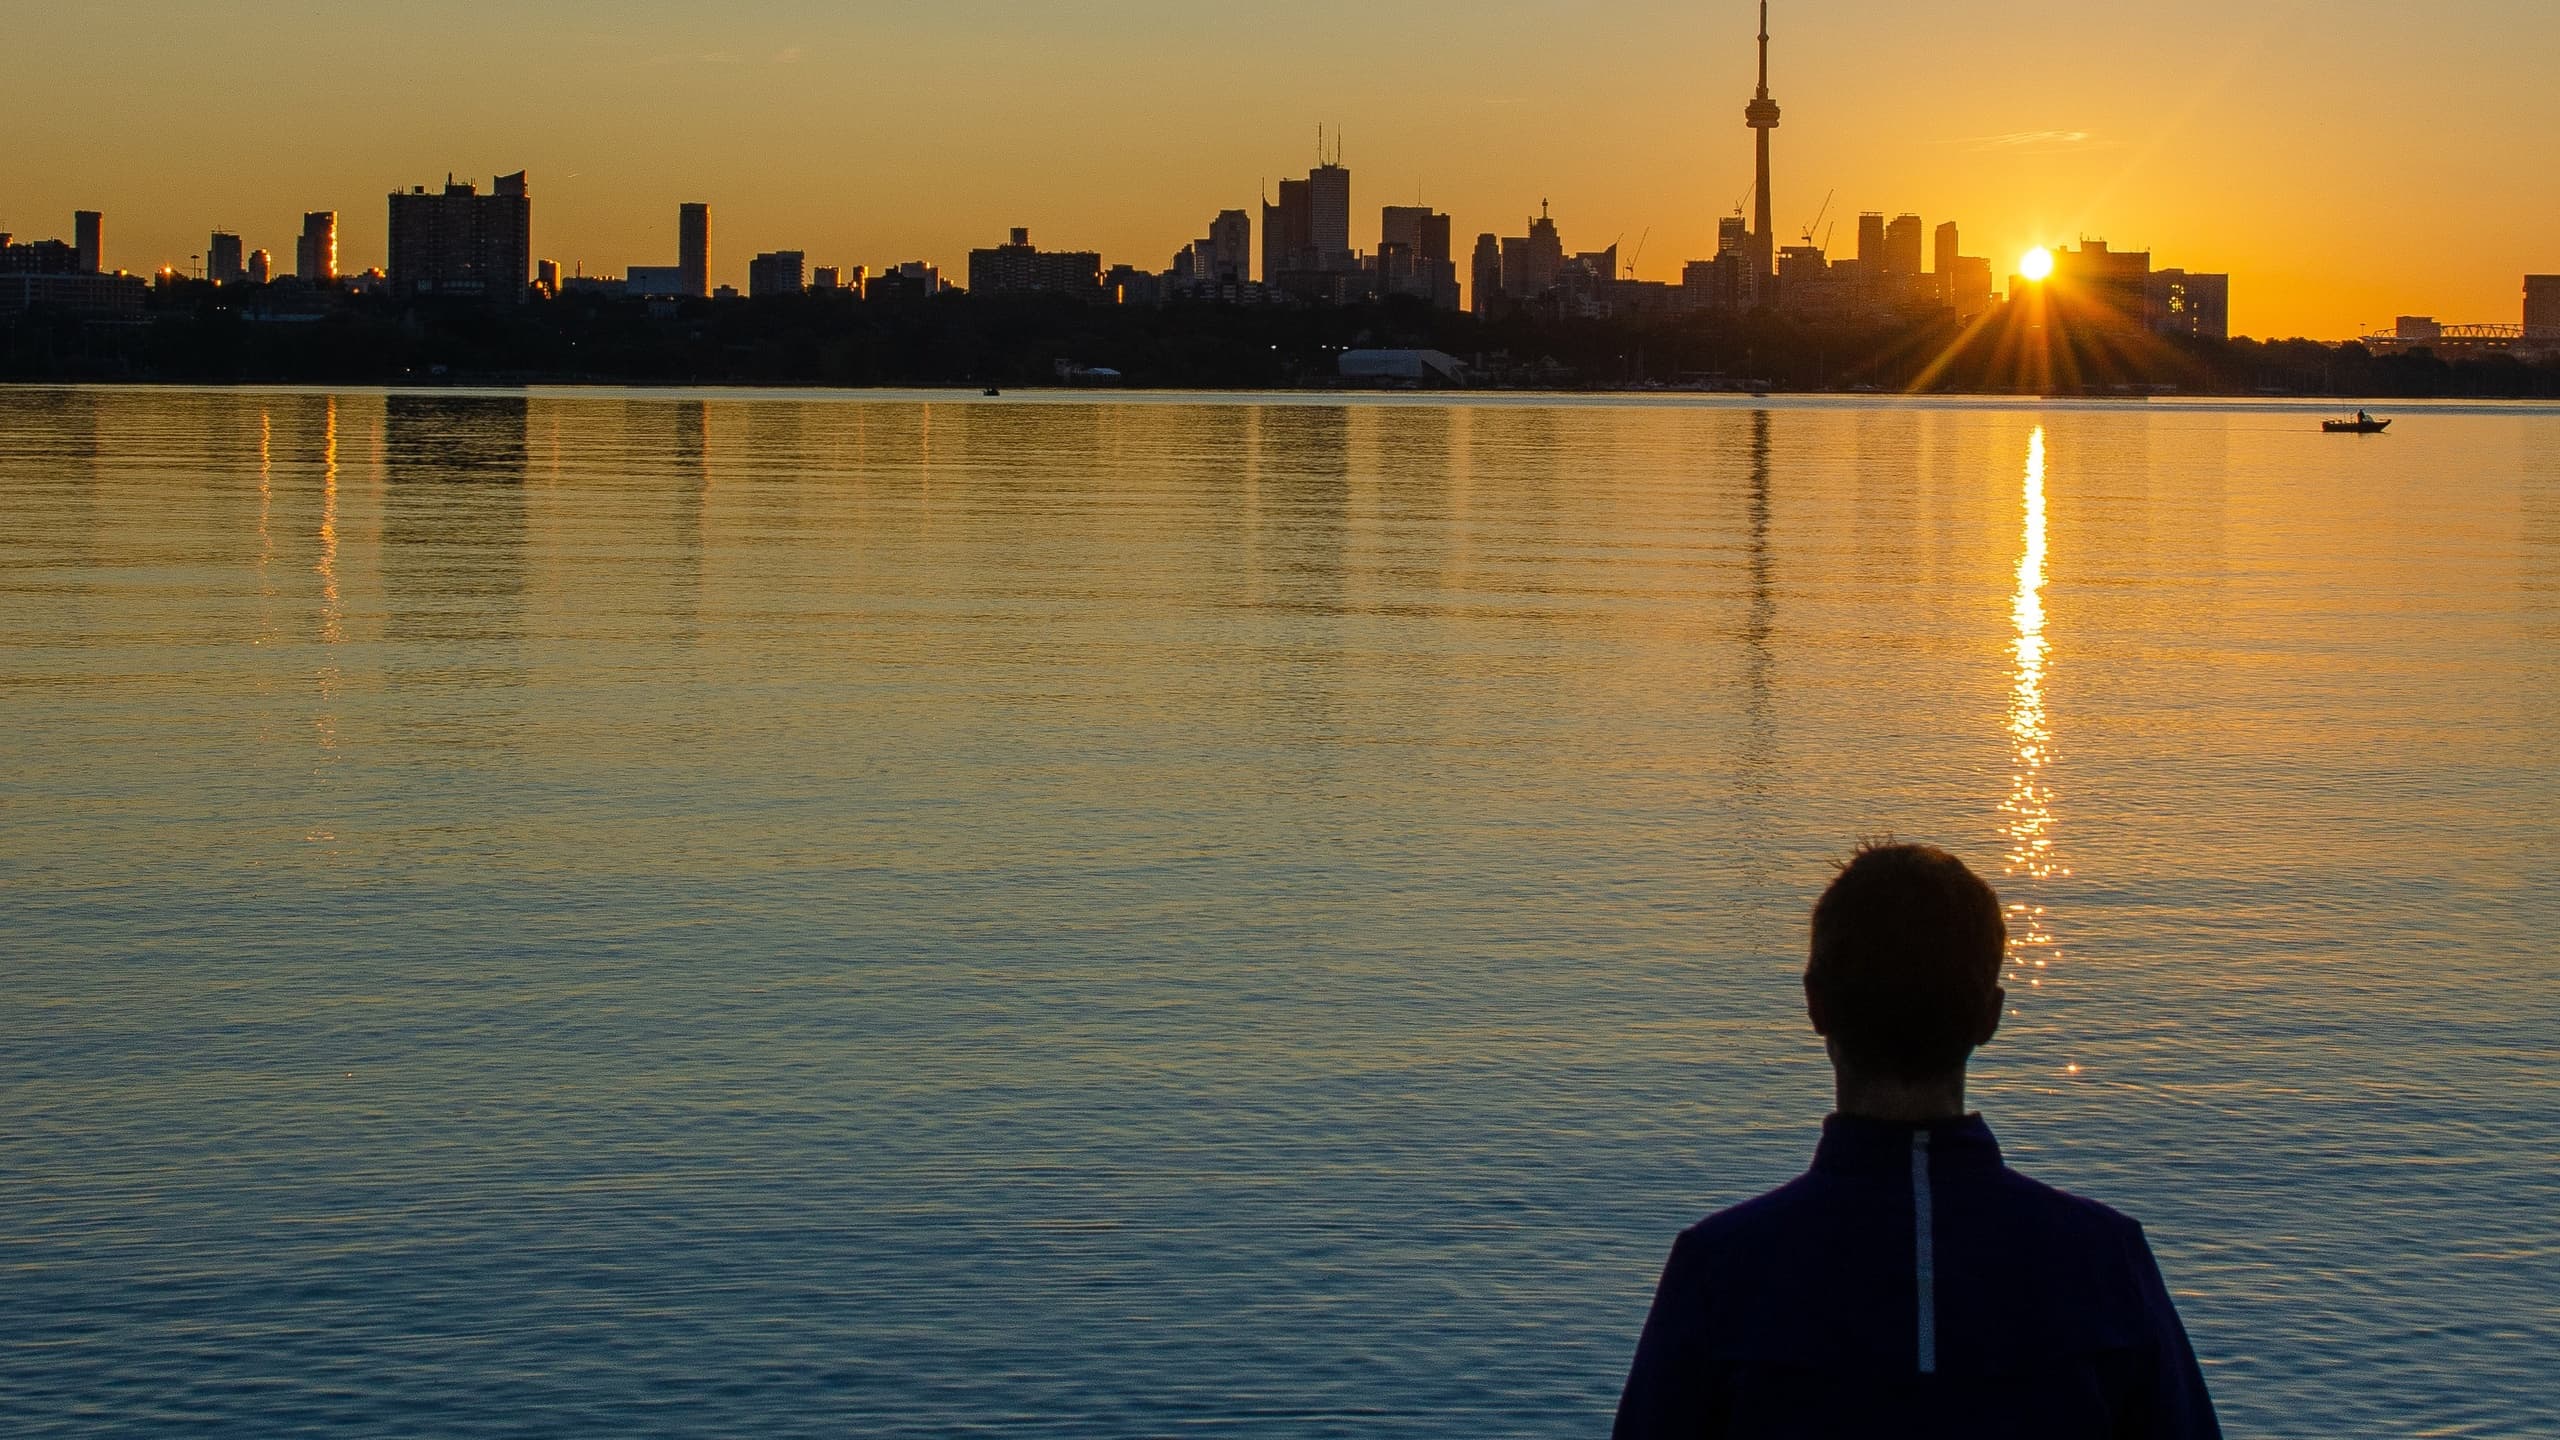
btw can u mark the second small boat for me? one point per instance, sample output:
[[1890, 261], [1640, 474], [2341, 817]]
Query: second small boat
[[2363, 424]]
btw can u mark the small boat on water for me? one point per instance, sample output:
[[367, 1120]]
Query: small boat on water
[[993, 391], [2363, 424]]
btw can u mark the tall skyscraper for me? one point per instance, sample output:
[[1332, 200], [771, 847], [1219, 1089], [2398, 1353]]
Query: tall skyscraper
[[693, 248], [315, 254], [463, 243], [1329, 215], [1423, 234], [1762, 116], [1902, 273], [88, 239], [2542, 306], [224, 263], [261, 267], [1950, 249], [1531, 262], [1288, 231], [1871, 242], [1230, 251], [1485, 275]]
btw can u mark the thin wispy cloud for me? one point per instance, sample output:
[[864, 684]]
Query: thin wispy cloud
[[792, 56], [2029, 142]]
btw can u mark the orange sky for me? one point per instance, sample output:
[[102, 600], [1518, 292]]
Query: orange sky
[[2345, 160]]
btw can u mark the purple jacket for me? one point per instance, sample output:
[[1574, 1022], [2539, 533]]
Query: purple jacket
[[1910, 1284]]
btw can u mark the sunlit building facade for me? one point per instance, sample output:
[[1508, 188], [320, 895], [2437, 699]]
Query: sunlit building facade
[[315, 252]]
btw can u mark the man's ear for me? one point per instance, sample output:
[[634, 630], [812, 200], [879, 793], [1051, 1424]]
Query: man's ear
[[1989, 1025], [1814, 1009]]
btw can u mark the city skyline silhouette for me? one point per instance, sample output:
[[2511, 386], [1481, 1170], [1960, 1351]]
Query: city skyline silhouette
[[2249, 144]]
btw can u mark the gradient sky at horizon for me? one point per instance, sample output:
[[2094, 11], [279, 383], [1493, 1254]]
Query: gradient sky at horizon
[[2345, 160]]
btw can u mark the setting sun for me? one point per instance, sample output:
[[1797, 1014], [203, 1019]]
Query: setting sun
[[2036, 264]]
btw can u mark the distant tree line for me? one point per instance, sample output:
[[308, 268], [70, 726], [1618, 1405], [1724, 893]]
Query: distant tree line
[[198, 333]]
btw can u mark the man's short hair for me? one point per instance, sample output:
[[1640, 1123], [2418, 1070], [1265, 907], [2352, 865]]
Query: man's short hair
[[1907, 948]]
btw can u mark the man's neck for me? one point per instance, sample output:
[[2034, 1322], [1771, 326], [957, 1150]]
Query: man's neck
[[1900, 1102]]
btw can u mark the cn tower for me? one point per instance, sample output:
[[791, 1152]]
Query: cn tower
[[1762, 115]]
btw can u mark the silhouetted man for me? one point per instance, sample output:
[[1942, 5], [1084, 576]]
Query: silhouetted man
[[1910, 1284]]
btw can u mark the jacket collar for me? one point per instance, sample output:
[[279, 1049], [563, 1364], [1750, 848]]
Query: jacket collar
[[1854, 1144]]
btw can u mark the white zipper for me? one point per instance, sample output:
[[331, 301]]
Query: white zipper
[[1924, 1252]]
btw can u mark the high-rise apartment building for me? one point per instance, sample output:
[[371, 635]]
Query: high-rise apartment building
[[693, 249], [88, 240], [224, 261], [777, 272], [1019, 268], [2194, 306], [315, 254], [462, 243], [2542, 306], [262, 267]]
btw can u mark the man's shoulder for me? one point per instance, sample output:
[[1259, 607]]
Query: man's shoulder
[[2060, 1209], [1815, 1199]]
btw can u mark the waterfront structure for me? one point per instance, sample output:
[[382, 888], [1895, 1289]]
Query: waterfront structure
[[461, 243], [777, 272], [315, 253], [2542, 307], [1761, 115], [657, 282], [71, 292], [1018, 267], [693, 249], [88, 241], [224, 262]]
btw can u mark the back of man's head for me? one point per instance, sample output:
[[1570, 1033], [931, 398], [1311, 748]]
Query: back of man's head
[[1905, 973]]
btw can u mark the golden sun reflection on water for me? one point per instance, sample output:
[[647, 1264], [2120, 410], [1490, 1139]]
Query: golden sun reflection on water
[[2027, 815], [333, 608]]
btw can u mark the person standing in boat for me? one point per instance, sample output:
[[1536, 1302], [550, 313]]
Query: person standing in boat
[[1911, 1284]]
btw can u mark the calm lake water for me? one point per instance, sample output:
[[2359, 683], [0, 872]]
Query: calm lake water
[[690, 914]]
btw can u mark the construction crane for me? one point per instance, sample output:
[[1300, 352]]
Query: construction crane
[[1817, 221], [1640, 243]]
